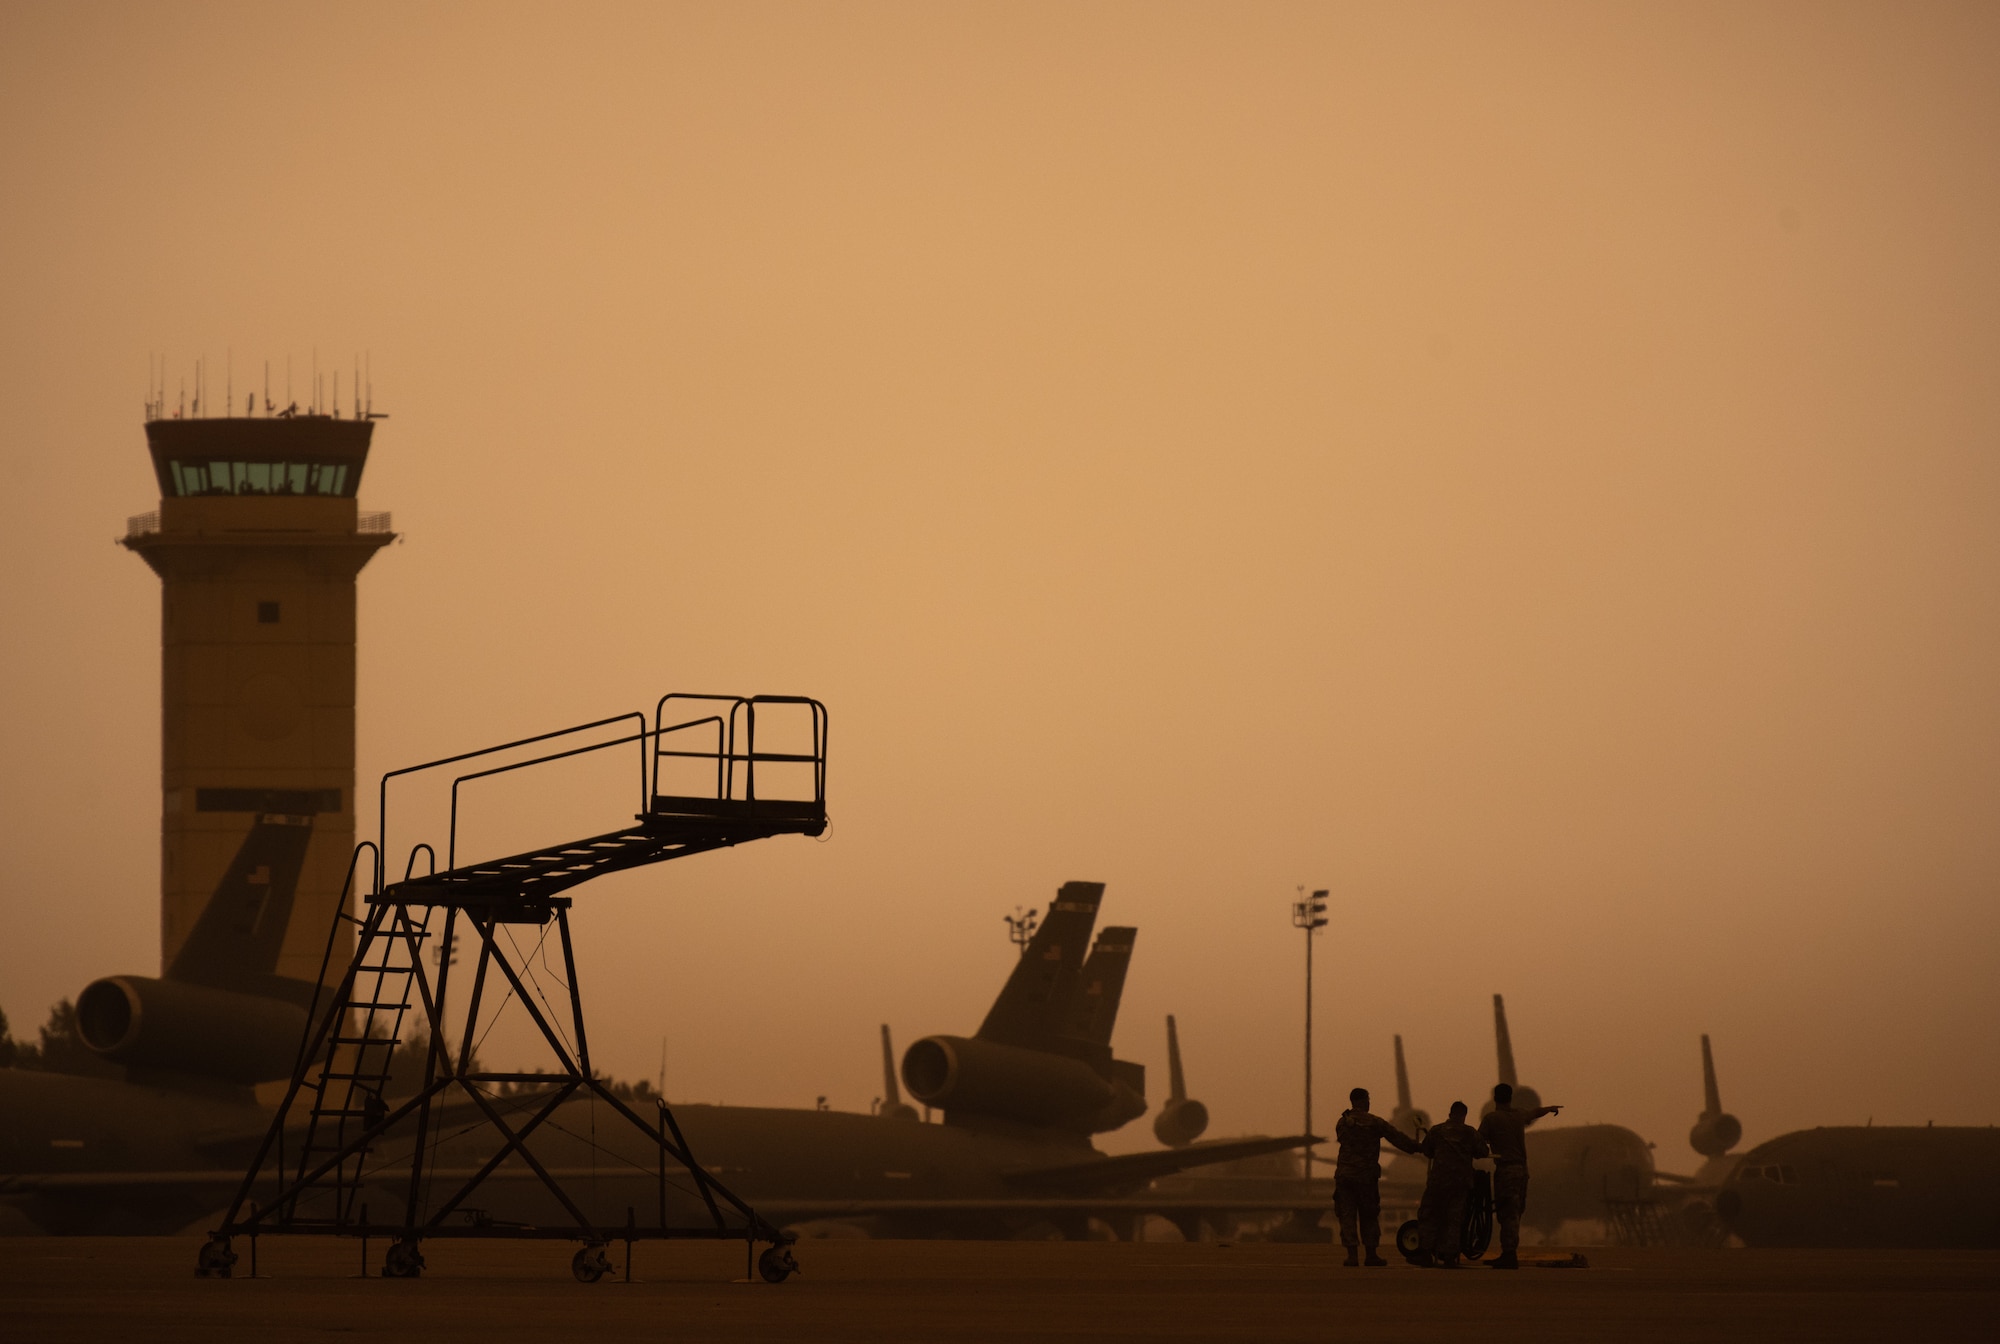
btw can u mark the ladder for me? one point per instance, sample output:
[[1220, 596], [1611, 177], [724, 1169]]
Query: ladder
[[345, 1062]]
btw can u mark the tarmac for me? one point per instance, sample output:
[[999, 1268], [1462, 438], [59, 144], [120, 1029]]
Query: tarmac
[[144, 1289]]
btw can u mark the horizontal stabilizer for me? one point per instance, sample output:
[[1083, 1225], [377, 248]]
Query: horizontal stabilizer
[[1131, 1168]]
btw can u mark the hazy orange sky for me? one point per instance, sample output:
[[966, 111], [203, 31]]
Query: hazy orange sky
[[1528, 468]]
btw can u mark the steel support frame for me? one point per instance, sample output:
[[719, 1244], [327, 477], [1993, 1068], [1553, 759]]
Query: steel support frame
[[389, 922]]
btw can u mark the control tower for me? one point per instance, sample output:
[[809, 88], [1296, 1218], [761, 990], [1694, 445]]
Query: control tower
[[257, 542]]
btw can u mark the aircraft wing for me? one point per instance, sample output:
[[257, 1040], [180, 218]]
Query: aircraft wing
[[1078, 1178], [29, 1183], [1132, 1168]]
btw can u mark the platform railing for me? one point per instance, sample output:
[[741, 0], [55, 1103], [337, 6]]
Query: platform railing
[[736, 770]]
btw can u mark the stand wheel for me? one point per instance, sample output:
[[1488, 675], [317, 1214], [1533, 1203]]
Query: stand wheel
[[1408, 1241], [214, 1260], [590, 1263], [776, 1265], [404, 1261]]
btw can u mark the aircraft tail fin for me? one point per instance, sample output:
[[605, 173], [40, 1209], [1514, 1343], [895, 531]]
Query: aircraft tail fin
[[1102, 986], [891, 1095], [1037, 1003], [235, 943], [1176, 1080], [1402, 1079], [1503, 1042], [1711, 1094]]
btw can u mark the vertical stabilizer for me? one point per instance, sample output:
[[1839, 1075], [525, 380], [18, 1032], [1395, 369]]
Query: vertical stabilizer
[[1038, 1001], [891, 1095], [1504, 1042], [1181, 1119], [1102, 986], [1406, 1116], [236, 940], [893, 1105], [1716, 1132]]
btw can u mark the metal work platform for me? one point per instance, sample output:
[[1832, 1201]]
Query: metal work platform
[[339, 1145]]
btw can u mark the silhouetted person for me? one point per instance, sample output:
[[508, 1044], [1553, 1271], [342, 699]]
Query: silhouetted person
[[1506, 1132], [1452, 1146], [374, 1111], [1357, 1175]]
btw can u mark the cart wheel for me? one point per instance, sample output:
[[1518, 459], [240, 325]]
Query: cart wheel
[[214, 1260], [776, 1265], [1409, 1242], [590, 1263], [404, 1261]]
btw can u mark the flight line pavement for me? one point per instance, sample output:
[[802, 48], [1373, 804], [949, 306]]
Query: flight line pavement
[[144, 1289]]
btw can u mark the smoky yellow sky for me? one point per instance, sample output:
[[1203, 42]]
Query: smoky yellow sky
[[1530, 469]]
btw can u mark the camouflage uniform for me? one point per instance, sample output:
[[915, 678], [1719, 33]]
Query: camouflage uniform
[[1506, 1131], [1357, 1172], [1452, 1146]]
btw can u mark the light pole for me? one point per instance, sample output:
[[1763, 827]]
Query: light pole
[[1309, 913], [1021, 929]]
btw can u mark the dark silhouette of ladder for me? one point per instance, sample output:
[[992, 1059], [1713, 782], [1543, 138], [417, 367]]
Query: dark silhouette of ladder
[[350, 1090], [699, 790]]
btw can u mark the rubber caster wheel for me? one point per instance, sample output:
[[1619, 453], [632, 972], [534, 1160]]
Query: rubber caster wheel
[[214, 1260], [590, 1264], [776, 1265], [404, 1261], [1409, 1243]]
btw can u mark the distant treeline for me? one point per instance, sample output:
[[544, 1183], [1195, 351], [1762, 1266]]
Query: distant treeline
[[60, 1048]]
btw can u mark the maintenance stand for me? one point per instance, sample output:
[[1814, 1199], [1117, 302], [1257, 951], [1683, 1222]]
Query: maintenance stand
[[705, 783]]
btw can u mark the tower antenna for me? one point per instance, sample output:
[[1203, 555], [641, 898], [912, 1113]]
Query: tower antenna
[[267, 389]]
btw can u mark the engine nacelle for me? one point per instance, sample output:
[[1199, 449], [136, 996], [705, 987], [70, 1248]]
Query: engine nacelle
[[1715, 1134], [167, 1024], [1180, 1123], [1034, 1087], [1414, 1121]]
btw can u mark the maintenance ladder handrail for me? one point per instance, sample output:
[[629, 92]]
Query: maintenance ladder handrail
[[727, 757]]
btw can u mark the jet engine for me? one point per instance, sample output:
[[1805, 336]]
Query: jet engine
[[1180, 1123], [1034, 1087], [184, 1028], [1715, 1134]]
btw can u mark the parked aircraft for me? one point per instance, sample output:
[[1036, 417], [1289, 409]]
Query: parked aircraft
[[1020, 1099], [1575, 1167], [1865, 1186], [86, 1154], [1868, 1186]]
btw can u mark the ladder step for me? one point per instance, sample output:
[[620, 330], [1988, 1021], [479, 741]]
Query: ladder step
[[358, 1077], [390, 1041]]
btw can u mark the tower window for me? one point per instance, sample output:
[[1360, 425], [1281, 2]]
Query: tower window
[[267, 613]]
